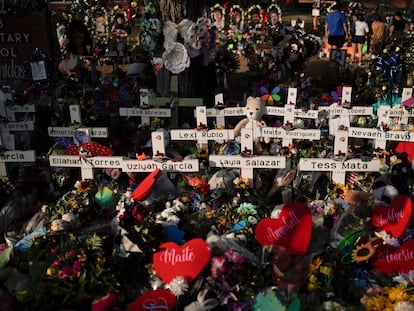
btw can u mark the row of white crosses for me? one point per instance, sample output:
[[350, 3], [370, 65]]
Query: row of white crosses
[[340, 128], [248, 164], [8, 111]]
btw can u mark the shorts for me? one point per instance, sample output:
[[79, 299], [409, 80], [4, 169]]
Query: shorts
[[336, 40], [358, 39]]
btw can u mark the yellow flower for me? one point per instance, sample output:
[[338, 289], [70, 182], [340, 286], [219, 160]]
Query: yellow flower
[[85, 185], [50, 271], [202, 153], [326, 270], [376, 303], [315, 265], [340, 191], [363, 252], [312, 283], [396, 294], [242, 181]]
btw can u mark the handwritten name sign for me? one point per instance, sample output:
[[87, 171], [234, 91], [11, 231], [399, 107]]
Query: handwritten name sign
[[395, 218], [160, 299], [401, 260], [293, 229], [185, 261]]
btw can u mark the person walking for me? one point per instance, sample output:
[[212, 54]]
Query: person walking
[[398, 25], [336, 29], [378, 32], [360, 31]]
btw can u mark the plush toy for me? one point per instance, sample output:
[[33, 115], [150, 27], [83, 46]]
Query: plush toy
[[255, 109]]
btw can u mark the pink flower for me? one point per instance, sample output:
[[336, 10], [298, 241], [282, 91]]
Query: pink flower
[[217, 266], [56, 263], [65, 272], [77, 265]]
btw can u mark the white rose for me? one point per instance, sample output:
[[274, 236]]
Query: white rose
[[384, 87], [397, 49], [176, 58], [384, 51]]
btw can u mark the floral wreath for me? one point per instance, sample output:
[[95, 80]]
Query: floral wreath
[[217, 6], [273, 7], [254, 9], [237, 9]]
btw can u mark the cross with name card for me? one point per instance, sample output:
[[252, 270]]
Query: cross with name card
[[7, 139], [339, 169], [175, 102], [289, 113], [393, 117], [202, 134], [159, 159], [76, 118], [247, 161], [145, 111]]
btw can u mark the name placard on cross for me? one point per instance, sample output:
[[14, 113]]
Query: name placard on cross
[[246, 161], [9, 110], [159, 159], [339, 169]]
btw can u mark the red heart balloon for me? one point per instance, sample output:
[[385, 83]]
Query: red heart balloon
[[293, 229], [395, 218], [400, 260], [181, 261], [160, 299]]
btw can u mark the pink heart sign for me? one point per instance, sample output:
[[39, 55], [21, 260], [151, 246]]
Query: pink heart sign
[[395, 218], [293, 229], [181, 261], [160, 299], [400, 260]]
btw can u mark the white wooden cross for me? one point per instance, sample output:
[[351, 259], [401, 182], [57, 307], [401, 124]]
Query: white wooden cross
[[398, 115], [7, 140], [247, 161], [159, 160], [202, 134], [145, 111], [86, 164], [76, 118]]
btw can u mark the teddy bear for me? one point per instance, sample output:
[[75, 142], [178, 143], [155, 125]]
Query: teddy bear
[[255, 109]]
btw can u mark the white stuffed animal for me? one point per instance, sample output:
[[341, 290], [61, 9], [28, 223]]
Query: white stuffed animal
[[255, 109]]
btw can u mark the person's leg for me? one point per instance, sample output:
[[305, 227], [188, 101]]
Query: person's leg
[[360, 53], [354, 48]]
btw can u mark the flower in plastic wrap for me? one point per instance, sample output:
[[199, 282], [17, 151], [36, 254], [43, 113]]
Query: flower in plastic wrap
[[176, 58]]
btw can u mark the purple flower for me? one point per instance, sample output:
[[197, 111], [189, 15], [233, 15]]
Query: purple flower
[[217, 266], [65, 272]]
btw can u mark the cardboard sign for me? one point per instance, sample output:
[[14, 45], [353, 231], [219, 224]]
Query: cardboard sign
[[401, 260], [181, 261], [293, 229], [160, 299], [395, 218]]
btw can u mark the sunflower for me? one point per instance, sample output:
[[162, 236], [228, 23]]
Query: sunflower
[[202, 153], [84, 186], [382, 156], [363, 252], [242, 182], [340, 191]]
